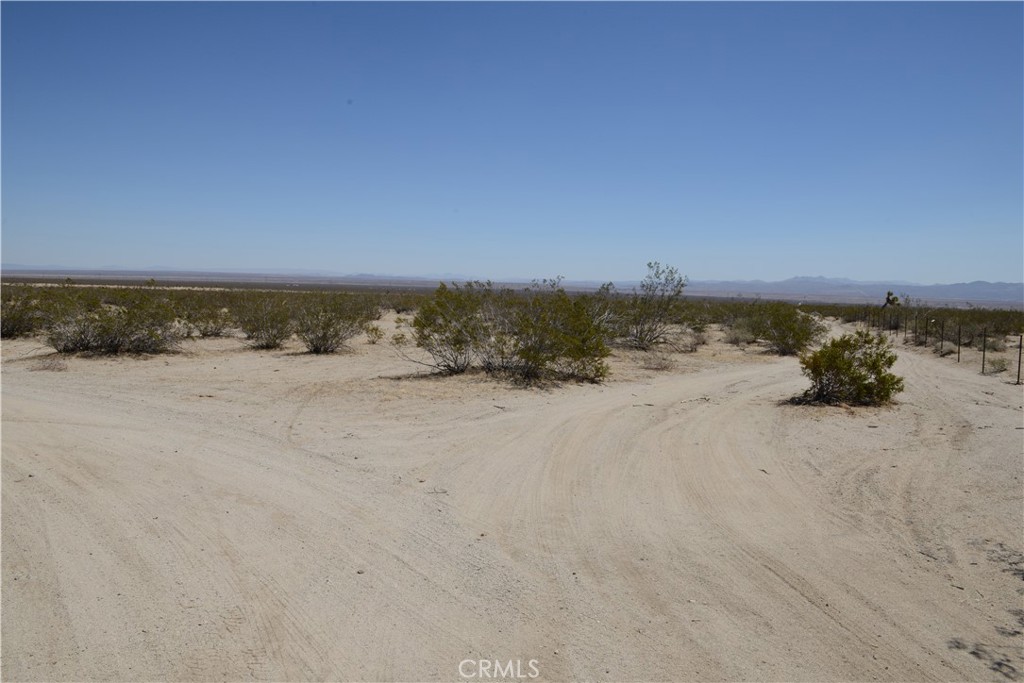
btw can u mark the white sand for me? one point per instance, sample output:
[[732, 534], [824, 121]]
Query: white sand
[[226, 514]]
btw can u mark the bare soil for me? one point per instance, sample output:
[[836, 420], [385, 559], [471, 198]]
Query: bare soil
[[229, 514]]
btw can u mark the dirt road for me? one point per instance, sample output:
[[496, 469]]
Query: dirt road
[[231, 514]]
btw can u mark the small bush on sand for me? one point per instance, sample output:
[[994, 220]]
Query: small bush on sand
[[739, 332], [324, 322], [785, 328], [561, 336], [996, 365], [265, 318], [853, 369], [373, 332], [446, 327], [648, 316]]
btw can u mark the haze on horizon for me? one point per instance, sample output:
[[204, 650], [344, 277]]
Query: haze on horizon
[[737, 141]]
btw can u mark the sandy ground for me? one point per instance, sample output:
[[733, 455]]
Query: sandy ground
[[227, 514]]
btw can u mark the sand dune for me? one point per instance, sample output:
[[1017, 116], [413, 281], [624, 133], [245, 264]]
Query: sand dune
[[229, 514]]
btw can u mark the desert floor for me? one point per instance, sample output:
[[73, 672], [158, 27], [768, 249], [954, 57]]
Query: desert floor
[[229, 514]]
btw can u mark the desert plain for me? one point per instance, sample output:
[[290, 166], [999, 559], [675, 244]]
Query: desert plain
[[228, 514]]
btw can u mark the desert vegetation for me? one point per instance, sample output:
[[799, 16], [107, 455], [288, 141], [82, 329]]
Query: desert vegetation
[[539, 333], [645, 319], [132, 321], [536, 333], [852, 369]]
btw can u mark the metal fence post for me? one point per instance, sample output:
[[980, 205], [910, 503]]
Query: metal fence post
[[1020, 345], [984, 344]]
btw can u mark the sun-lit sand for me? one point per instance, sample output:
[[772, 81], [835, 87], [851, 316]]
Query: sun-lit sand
[[228, 514]]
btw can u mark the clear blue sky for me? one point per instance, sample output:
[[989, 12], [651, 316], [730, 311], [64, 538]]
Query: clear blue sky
[[734, 141]]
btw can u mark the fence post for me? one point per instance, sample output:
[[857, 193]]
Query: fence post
[[984, 343], [1020, 345], [942, 335], [959, 327], [926, 331]]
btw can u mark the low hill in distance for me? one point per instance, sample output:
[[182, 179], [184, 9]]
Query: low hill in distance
[[812, 289]]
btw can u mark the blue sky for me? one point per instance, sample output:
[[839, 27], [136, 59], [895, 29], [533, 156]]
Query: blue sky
[[733, 140]]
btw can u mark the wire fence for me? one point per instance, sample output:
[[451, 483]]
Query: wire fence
[[948, 334]]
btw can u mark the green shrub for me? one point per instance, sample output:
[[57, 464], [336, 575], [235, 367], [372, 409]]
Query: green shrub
[[138, 323], [324, 322], [19, 315], [265, 318], [540, 333], [853, 369], [785, 328], [204, 314], [649, 313], [556, 335], [446, 327]]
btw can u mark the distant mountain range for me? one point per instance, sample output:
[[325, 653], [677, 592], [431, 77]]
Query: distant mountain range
[[818, 289]]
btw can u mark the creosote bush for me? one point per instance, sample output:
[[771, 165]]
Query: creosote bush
[[132, 321], [785, 328], [205, 315], [852, 369], [539, 333], [647, 318], [324, 322], [446, 327], [19, 315], [265, 318]]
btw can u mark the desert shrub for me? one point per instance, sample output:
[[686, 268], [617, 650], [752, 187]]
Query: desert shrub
[[567, 336], [73, 332], [740, 332], [373, 333], [996, 343], [852, 369], [19, 315], [993, 366], [542, 332], [785, 328], [691, 340], [265, 318], [137, 323], [402, 302], [649, 312], [204, 315], [446, 327], [497, 339], [324, 322]]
